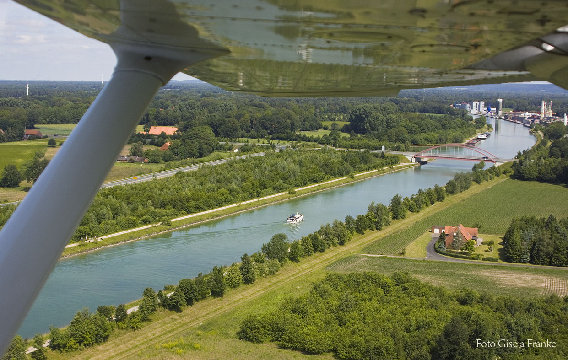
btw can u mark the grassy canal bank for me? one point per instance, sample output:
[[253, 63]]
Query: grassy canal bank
[[219, 213]]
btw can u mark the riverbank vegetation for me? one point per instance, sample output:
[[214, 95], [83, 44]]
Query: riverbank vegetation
[[371, 316]]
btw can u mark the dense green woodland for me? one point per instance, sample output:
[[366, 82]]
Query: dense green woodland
[[541, 241], [371, 316], [126, 207], [400, 121]]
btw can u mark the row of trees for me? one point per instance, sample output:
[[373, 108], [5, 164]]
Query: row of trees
[[372, 316], [540, 241]]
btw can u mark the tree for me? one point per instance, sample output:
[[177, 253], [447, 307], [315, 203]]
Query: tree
[[189, 290], [136, 149], [296, 251], [149, 304], [554, 131], [176, 301], [217, 282], [203, 288], [11, 177], [120, 313], [16, 350], [106, 311], [277, 247], [247, 269], [39, 353], [396, 207], [469, 246], [233, 277], [51, 142], [35, 167]]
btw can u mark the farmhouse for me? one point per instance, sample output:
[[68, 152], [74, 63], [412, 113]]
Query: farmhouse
[[32, 134], [456, 236]]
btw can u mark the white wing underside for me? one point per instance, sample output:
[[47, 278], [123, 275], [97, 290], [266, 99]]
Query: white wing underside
[[338, 47]]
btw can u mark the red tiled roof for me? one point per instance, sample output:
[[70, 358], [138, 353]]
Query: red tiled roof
[[34, 132]]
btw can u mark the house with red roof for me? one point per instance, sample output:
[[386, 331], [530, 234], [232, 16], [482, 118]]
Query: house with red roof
[[32, 134], [457, 236]]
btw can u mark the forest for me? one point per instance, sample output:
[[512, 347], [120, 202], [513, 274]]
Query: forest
[[539, 241], [410, 119], [372, 316]]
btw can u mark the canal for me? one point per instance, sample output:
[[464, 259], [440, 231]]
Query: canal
[[119, 274]]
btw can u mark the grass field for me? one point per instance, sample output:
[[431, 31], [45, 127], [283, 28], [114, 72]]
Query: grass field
[[491, 211], [417, 248], [65, 129], [321, 132], [18, 152], [483, 277], [56, 129]]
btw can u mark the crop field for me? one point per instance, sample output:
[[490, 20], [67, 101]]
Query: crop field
[[483, 277], [321, 132], [56, 129], [417, 248], [491, 211]]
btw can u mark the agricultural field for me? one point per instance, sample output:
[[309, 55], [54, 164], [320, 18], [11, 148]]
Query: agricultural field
[[417, 248], [330, 123], [491, 211], [18, 152], [321, 132], [527, 281], [56, 129], [65, 129]]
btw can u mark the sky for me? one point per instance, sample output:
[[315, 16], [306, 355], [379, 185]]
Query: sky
[[34, 47]]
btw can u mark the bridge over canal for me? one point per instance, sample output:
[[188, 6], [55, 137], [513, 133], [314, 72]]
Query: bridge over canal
[[459, 152]]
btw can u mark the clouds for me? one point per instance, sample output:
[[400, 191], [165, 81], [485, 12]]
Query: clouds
[[34, 47]]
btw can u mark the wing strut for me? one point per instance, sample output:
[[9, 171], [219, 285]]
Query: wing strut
[[33, 239]]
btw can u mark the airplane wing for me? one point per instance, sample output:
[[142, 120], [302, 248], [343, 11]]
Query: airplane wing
[[267, 47], [345, 47]]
